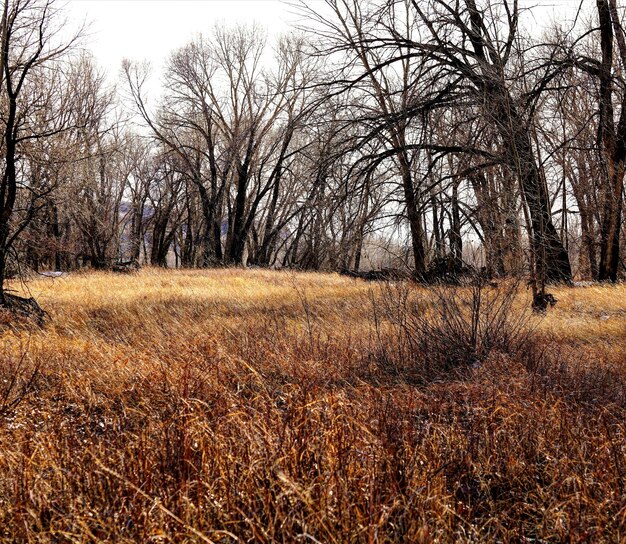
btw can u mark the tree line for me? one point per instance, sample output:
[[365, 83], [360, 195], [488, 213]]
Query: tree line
[[428, 135]]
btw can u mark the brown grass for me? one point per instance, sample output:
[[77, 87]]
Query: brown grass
[[240, 406]]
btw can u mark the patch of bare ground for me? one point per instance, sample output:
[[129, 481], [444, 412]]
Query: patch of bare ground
[[240, 406]]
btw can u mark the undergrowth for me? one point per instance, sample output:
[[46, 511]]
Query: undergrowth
[[253, 406]]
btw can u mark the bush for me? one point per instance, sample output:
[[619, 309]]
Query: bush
[[446, 328]]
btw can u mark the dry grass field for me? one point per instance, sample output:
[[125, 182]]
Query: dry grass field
[[257, 406]]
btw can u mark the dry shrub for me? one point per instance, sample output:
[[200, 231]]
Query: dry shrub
[[448, 328]]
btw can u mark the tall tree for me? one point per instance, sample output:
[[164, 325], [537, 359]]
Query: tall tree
[[35, 107]]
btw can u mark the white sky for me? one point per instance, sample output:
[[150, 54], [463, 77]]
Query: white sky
[[151, 29]]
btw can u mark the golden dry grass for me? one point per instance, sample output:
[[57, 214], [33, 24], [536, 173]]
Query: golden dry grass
[[240, 406]]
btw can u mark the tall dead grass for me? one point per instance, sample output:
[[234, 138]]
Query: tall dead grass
[[240, 406]]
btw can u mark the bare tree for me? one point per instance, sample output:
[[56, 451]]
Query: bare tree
[[231, 122], [35, 108], [608, 70]]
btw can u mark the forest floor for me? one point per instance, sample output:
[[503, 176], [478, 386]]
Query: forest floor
[[249, 405]]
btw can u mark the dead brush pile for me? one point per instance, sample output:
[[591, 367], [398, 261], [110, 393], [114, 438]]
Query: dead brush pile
[[252, 406]]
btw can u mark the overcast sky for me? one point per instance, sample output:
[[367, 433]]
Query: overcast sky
[[152, 29]]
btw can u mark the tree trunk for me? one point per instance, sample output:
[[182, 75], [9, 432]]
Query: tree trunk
[[613, 141], [415, 220], [456, 242], [551, 258]]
